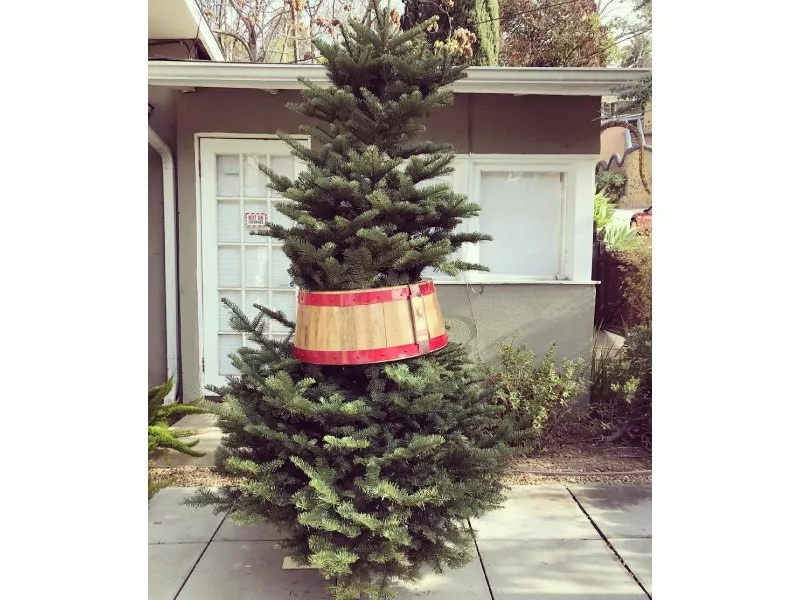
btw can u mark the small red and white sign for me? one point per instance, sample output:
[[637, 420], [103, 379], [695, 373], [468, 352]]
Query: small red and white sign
[[255, 219]]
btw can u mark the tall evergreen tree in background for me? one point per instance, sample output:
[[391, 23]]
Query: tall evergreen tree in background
[[479, 17], [369, 471]]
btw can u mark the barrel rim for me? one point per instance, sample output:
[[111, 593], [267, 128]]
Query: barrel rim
[[380, 289], [362, 297]]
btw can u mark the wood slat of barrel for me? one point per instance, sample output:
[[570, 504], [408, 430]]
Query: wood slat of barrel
[[368, 326]]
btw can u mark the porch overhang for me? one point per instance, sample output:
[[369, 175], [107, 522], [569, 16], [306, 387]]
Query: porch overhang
[[518, 81]]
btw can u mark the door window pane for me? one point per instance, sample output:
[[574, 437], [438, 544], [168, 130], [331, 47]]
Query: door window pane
[[228, 176], [255, 182], [229, 221]]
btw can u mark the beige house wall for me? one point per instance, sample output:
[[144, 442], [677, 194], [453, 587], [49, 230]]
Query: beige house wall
[[612, 141], [636, 196]]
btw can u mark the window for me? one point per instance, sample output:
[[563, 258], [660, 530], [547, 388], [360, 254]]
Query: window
[[538, 209], [524, 212]]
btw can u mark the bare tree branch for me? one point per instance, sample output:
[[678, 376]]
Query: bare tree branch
[[238, 38]]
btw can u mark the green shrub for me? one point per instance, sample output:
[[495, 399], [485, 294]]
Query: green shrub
[[637, 282], [536, 396], [621, 388], [611, 184], [618, 236], [603, 210], [159, 435]]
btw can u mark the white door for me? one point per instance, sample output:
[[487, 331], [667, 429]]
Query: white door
[[247, 269]]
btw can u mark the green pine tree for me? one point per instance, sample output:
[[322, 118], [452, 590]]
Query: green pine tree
[[371, 471]]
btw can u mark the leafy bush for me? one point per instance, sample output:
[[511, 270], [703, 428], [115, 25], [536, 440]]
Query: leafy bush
[[159, 435], [619, 237], [621, 388], [536, 396], [603, 210], [616, 235], [637, 283], [611, 184]]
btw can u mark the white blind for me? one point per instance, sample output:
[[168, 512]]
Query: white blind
[[523, 211]]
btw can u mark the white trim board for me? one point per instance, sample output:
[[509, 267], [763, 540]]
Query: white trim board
[[518, 81]]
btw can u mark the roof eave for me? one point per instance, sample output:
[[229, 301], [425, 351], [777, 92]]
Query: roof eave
[[205, 34], [479, 80]]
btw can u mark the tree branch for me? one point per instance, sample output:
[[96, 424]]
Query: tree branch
[[238, 38]]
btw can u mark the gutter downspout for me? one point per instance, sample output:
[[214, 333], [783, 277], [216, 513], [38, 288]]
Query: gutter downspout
[[170, 262]]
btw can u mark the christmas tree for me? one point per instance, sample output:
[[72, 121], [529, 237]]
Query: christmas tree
[[370, 471]]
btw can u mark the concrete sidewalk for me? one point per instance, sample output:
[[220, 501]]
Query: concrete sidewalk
[[550, 542]]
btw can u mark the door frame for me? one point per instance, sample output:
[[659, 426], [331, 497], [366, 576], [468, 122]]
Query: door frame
[[199, 138]]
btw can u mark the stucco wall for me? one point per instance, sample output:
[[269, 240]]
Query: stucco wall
[[612, 141], [537, 314], [636, 196], [498, 124], [156, 311], [163, 120], [475, 123]]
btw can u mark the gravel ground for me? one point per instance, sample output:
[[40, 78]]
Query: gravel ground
[[189, 476], [591, 461]]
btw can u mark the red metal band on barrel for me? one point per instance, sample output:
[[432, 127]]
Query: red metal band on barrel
[[361, 297], [358, 357]]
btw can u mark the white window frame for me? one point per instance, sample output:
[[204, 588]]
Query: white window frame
[[578, 170], [207, 146]]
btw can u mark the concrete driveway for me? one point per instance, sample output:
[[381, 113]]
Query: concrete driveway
[[549, 542]]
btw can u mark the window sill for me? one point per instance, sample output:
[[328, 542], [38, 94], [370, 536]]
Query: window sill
[[514, 281]]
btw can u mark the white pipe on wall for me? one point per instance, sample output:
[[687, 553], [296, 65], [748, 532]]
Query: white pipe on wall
[[170, 258]]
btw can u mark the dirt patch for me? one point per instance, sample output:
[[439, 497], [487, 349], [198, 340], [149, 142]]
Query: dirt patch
[[594, 463], [576, 454]]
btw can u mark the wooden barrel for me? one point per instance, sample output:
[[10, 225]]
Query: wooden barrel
[[368, 326]]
